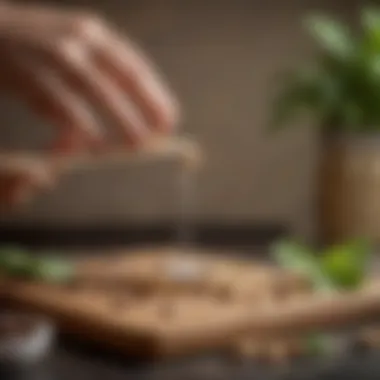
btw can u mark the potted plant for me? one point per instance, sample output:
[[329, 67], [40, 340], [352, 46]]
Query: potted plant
[[340, 90]]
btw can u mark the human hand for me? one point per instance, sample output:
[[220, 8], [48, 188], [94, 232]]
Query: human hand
[[70, 67], [19, 183]]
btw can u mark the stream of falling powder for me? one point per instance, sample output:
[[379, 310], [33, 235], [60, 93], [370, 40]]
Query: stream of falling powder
[[186, 229]]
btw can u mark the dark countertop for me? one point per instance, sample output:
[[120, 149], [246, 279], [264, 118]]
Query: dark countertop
[[73, 362]]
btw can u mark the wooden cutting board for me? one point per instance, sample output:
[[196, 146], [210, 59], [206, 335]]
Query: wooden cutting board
[[158, 302]]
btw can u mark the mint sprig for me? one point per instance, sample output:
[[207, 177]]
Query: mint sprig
[[17, 262], [339, 267]]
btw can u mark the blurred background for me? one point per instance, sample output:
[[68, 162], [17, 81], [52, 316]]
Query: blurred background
[[318, 179], [221, 57]]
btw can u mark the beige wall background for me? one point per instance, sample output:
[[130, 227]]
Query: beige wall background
[[220, 57]]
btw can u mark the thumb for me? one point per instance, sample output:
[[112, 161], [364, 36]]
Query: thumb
[[20, 180]]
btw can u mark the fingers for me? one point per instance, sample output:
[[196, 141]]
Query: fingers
[[135, 75], [48, 95], [104, 94], [79, 66], [69, 141], [11, 192], [126, 64], [70, 67], [113, 76], [18, 184]]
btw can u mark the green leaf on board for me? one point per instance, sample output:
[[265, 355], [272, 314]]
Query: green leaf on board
[[346, 264], [52, 270], [298, 258], [19, 262], [13, 260], [340, 267]]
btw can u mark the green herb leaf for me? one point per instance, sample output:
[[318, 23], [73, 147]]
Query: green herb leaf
[[302, 91], [18, 262], [300, 259], [370, 20], [341, 267], [51, 269], [346, 264], [14, 261], [333, 36]]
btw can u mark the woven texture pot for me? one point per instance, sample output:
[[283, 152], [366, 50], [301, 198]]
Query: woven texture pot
[[349, 188]]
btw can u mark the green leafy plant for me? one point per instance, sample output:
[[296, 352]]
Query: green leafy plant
[[340, 89]]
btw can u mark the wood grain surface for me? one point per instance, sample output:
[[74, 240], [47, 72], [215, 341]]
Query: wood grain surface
[[166, 303]]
